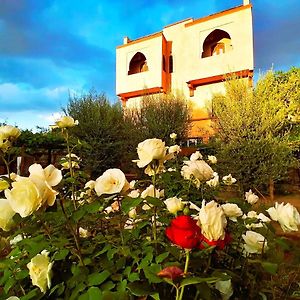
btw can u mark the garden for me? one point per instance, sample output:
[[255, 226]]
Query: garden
[[122, 213]]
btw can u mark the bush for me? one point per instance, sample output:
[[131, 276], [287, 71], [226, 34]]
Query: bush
[[160, 115], [105, 138], [253, 127]]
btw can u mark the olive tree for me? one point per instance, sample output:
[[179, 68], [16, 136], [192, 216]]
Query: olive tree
[[103, 134], [159, 115], [253, 126]]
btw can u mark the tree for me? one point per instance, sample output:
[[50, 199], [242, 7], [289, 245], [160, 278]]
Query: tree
[[160, 115], [253, 128], [103, 134]]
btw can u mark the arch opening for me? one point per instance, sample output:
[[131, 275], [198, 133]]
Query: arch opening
[[138, 64], [216, 43]]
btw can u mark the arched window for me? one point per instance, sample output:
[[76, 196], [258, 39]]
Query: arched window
[[217, 42], [138, 64]]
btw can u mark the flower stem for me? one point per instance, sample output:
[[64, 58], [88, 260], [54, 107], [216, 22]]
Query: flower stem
[[73, 231], [71, 170], [154, 228], [186, 266]]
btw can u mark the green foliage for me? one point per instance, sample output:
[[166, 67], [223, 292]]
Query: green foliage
[[254, 127], [160, 115], [105, 138], [100, 251], [42, 140]]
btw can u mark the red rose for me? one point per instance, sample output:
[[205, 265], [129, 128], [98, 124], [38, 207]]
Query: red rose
[[218, 244], [171, 272], [184, 232]]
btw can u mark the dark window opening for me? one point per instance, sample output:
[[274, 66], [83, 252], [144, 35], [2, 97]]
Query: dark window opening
[[164, 64], [216, 43], [171, 64], [138, 64]]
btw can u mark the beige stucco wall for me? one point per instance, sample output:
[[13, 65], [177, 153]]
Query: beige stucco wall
[[187, 47], [152, 49]]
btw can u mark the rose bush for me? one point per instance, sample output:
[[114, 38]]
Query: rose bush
[[65, 235]]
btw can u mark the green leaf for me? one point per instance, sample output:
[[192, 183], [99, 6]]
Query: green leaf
[[140, 289], [93, 207], [195, 280], [8, 285], [98, 278], [107, 286], [155, 201], [59, 288], [129, 203], [78, 214], [270, 267], [161, 257], [93, 293], [151, 271], [61, 254], [155, 296], [22, 274], [30, 295], [133, 277]]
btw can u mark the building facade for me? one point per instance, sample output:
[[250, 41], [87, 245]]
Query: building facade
[[190, 56]]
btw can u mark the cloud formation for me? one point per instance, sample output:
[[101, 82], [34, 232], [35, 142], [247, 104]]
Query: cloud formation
[[49, 47]]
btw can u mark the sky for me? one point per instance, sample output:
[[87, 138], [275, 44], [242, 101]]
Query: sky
[[51, 49]]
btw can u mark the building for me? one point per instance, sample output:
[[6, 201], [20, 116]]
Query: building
[[192, 56]]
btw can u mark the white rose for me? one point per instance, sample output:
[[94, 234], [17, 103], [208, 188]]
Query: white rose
[[10, 132], [287, 216], [212, 159], [50, 174], [16, 239], [66, 122], [4, 142], [83, 233], [251, 197], [40, 271], [132, 213], [229, 180], [225, 288], [132, 184], [232, 211], [159, 168], [174, 204], [197, 170], [214, 181], [173, 135], [149, 150], [46, 193], [149, 191], [6, 215], [195, 156], [263, 218], [24, 197], [3, 185], [254, 242], [112, 181], [212, 221], [134, 194], [174, 149], [74, 161]]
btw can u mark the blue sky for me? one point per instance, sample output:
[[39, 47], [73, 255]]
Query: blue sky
[[51, 48]]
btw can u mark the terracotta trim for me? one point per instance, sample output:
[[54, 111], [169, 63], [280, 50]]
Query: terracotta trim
[[142, 39], [138, 93], [176, 23], [193, 84], [219, 14]]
